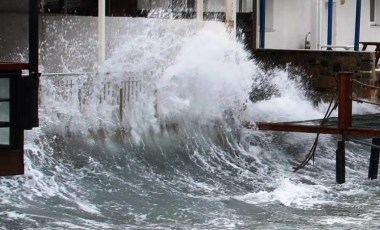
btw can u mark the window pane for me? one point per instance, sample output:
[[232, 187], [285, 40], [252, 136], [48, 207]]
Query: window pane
[[4, 88], [4, 111], [372, 11], [4, 136]]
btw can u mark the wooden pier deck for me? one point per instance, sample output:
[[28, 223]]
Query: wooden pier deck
[[346, 125], [362, 126]]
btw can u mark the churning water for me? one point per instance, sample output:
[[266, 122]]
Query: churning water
[[175, 154]]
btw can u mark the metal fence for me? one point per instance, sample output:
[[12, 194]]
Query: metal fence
[[82, 88]]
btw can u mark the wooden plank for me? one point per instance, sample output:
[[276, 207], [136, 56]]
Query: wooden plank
[[296, 128]]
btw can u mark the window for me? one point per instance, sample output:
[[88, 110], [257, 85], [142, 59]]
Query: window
[[5, 111], [372, 10]]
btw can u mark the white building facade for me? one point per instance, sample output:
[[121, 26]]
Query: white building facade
[[289, 23]]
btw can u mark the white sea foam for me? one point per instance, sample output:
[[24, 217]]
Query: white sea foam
[[191, 76], [289, 193]]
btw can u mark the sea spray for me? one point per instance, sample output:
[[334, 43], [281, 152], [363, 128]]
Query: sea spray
[[184, 161]]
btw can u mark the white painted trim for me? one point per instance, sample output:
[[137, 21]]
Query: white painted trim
[[200, 10]]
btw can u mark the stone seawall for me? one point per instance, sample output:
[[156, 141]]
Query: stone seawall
[[322, 66]]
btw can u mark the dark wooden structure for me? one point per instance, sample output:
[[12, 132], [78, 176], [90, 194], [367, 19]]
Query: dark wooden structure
[[19, 101], [343, 127], [377, 49]]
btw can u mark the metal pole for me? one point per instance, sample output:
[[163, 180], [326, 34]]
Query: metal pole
[[101, 31], [254, 25], [374, 159], [329, 22], [200, 10], [357, 24], [231, 13], [262, 23], [32, 101]]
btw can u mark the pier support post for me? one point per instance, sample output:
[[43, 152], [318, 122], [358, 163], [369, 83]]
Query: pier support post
[[340, 163], [374, 160]]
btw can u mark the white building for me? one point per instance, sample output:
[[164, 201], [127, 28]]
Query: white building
[[288, 23]]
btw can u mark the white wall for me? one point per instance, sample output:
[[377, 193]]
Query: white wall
[[291, 23], [346, 24]]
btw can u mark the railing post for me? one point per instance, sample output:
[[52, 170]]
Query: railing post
[[231, 13], [344, 121], [200, 10], [121, 104], [345, 100]]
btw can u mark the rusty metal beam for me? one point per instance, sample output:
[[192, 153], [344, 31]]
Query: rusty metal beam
[[12, 66], [351, 131]]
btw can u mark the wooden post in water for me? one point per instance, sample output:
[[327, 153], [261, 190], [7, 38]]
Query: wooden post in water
[[340, 163], [374, 160], [344, 121]]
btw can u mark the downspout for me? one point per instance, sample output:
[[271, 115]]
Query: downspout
[[329, 22], [357, 24], [262, 24], [319, 23]]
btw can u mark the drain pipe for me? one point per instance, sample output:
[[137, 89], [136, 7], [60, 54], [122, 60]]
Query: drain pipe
[[329, 23], [357, 24], [101, 31], [262, 23]]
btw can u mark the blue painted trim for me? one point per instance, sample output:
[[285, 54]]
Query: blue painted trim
[[329, 21], [357, 24], [262, 23]]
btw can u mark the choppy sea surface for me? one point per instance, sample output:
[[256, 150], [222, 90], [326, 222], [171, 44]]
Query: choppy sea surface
[[176, 156]]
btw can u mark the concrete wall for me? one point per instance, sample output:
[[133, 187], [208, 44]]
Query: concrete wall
[[321, 67]]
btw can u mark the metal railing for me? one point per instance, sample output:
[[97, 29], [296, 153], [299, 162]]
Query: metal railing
[[83, 88]]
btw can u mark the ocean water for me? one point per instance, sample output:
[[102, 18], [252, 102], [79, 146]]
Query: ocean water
[[180, 157]]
